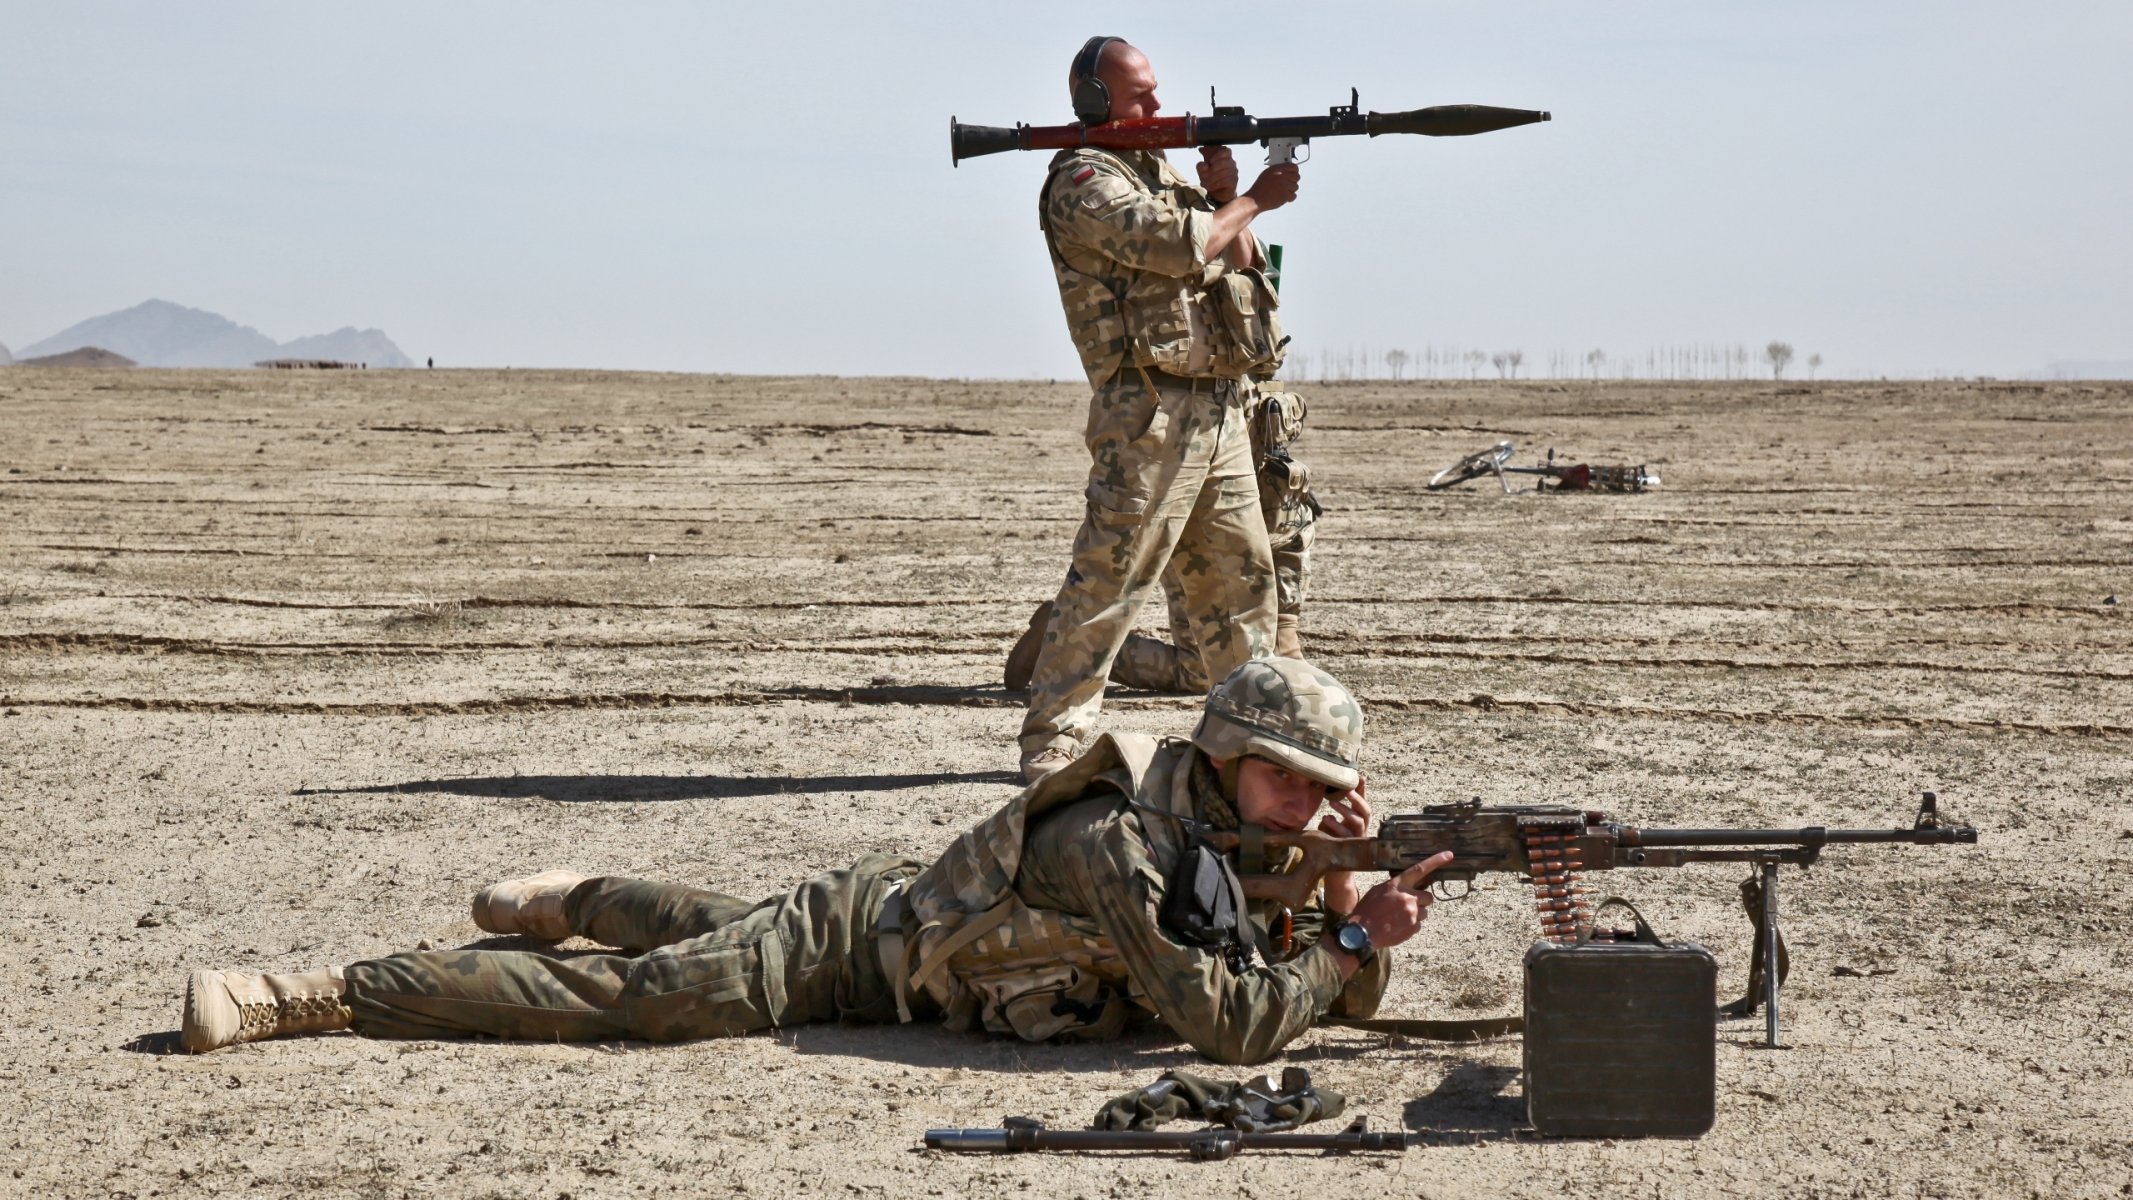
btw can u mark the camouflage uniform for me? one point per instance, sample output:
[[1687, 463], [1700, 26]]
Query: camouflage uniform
[[1165, 336], [1291, 511], [705, 965], [1092, 869]]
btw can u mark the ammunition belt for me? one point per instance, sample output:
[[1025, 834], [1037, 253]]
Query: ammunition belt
[[1557, 894]]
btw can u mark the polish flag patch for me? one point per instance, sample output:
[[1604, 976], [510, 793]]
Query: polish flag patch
[[1084, 175]]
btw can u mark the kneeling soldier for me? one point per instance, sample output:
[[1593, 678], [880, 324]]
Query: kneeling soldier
[[1085, 901]]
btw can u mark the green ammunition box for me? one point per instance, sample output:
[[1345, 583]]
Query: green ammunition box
[[1621, 1038]]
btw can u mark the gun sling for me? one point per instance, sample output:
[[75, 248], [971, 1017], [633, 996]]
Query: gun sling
[[1472, 1029]]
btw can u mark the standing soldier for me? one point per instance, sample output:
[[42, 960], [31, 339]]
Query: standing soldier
[[1291, 511], [1172, 315]]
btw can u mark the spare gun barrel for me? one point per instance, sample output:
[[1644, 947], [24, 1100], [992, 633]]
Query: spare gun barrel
[[1024, 1135]]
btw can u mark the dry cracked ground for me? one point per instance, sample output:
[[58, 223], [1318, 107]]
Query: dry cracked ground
[[292, 663]]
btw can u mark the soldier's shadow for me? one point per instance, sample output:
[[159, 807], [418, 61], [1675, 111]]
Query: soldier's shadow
[[623, 789], [168, 1041], [930, 1045], [1470, 1104]]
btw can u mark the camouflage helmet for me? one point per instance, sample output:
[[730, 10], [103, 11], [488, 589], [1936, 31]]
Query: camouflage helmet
[[1289, 711]]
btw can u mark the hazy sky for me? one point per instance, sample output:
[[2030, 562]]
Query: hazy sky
[[1902, 187]]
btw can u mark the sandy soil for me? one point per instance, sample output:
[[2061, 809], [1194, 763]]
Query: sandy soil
[[291, 664]]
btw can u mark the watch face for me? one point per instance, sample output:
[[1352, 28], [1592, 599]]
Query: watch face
[[1353, 938]]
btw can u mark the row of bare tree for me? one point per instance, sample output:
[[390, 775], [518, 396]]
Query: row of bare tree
[[1704, 361]]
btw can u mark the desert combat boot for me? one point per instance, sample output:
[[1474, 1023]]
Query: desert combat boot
[[1288, 636], [223, 1008], [532, 906]]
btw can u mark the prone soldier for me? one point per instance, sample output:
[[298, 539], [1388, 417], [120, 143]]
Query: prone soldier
[[1089, 900]]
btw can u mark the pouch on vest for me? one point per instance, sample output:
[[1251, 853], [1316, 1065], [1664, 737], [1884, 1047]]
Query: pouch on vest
[[1054, 1003], [1203, 904], [1277, 421], [1250, 341]]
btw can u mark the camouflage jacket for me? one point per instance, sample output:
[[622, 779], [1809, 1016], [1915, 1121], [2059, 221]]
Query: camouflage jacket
[[1128, 239], [1042, 921]]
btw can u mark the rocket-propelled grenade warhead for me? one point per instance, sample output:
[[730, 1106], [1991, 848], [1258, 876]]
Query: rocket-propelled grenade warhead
[[1233, 126]]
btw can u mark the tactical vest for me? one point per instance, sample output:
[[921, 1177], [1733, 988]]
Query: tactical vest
[[991, 960], [1218, 322]]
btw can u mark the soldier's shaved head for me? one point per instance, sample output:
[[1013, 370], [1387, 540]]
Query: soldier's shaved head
[[1127, 75], [1108, 59]]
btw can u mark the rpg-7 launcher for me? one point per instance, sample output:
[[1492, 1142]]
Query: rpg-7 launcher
[[1232, 126], [1550, 845], [1554, 477]]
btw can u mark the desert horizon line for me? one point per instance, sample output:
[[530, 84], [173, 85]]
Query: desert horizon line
[[2125, 376]]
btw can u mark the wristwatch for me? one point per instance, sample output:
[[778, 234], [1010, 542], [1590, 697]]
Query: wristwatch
[[1355, 940]]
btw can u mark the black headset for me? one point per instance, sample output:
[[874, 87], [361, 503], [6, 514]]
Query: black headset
[[1092, 100]]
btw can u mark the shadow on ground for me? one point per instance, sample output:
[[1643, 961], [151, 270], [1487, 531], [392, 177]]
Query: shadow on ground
[[908, 1045], [580, 789], [930, 1045], [165, 1042], [1470, 1104]]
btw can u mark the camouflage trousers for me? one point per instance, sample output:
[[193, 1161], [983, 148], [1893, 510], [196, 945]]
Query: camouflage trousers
[[1170, 488], [1174, 665], [701, 965]]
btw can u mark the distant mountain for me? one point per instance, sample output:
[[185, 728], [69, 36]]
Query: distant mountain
[[348, 344], [161, 334], [157, 333], [5, 357], [84, 356]]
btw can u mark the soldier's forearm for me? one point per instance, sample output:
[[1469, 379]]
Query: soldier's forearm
[[1230, 224]]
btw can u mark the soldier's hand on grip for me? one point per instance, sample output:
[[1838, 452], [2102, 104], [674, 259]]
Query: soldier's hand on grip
[[1392, 911], [1275, 186], [1218, 173]]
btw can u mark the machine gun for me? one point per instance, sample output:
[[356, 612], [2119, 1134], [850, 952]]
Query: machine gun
[[1550, 845], [1570, 477], [1232, 126]]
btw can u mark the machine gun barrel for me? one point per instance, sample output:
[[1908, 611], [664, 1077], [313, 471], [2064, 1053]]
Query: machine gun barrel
[[1232, 127], [1939, 835]]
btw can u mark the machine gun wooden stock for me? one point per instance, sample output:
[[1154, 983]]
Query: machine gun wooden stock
[[1550, 845]]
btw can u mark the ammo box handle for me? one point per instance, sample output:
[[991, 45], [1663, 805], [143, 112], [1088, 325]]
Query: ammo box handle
[[1644, 931]]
